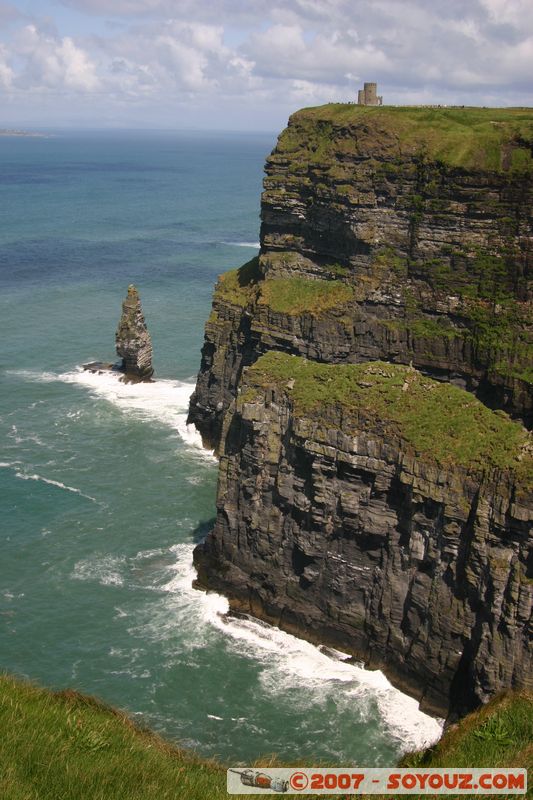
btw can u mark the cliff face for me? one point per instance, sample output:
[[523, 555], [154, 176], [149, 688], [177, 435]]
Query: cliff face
[[133, 342], [342, 522], [424, 218], [364, 504]]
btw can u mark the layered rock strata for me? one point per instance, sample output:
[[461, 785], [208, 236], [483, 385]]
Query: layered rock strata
[[425, 218], [382, 508], [368, 523], [133, 342]]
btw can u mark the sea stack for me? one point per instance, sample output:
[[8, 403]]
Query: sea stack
[[133, 342]]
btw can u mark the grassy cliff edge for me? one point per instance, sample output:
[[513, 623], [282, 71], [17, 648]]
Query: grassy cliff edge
[[65, 746], [442, 422]]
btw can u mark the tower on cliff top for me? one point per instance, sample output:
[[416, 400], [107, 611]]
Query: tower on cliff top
[[368, 96]]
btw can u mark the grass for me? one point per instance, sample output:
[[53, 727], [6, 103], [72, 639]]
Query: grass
[[500, 331], [67, 746], [440, 421], [499, 734], [425, 327], [293, 296], [237, 285], [522, 373], [298, 295], [496, 139]]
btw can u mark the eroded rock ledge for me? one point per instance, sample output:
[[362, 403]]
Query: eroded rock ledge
[[386, 514]]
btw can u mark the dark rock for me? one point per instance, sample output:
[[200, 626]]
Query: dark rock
[[344, 535], [133, 342], [334, 530], [101, 366], [427, 248]]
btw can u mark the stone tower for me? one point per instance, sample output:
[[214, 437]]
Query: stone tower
[[369, 95]]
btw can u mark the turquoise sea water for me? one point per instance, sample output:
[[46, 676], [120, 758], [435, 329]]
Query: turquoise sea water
[[104, 490]]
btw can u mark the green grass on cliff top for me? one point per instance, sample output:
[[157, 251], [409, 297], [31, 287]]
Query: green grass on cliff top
[[294, 295], [66, 746], [437, 419], [474, 138], [500, 733], [298, 295], [236, 285]]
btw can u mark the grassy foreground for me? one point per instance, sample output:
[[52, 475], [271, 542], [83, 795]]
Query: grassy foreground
[[67, 746]]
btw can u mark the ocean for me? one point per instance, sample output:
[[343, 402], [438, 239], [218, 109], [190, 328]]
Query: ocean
[[104, 488]]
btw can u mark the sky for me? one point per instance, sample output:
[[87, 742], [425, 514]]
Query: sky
[[248, 64]]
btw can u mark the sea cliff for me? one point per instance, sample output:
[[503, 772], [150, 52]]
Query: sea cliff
[[359, 380]]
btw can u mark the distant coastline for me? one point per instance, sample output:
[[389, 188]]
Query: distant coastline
[[29, 134]]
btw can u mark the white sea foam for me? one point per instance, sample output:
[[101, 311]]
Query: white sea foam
[[288, 663], [166, 401], [20, 438], [33, 375], [106, 570], [33, 476], [254, 245]]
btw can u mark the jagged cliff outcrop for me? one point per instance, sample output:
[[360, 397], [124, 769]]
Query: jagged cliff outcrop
[[416, 227], [133, 342], [364, 503]]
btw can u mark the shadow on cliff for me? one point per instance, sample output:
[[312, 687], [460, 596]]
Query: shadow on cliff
[[201, 531]]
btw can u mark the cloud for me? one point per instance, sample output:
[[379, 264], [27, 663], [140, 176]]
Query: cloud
[[212, 11], [228, 55], [515, 13], [174, 57], [117, 8], [8, 14], [52, 62], [6, 72], [284, 51]]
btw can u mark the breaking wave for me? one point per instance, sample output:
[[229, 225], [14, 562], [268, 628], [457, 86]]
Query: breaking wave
[[287, 663], [34, 476], [165, 401], [252, 245]]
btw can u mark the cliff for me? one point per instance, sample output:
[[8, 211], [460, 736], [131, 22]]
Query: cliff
[[416, 228], [380, 507], [383, 513]]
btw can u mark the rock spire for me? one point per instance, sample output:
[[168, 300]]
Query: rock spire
[[133, 342]]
